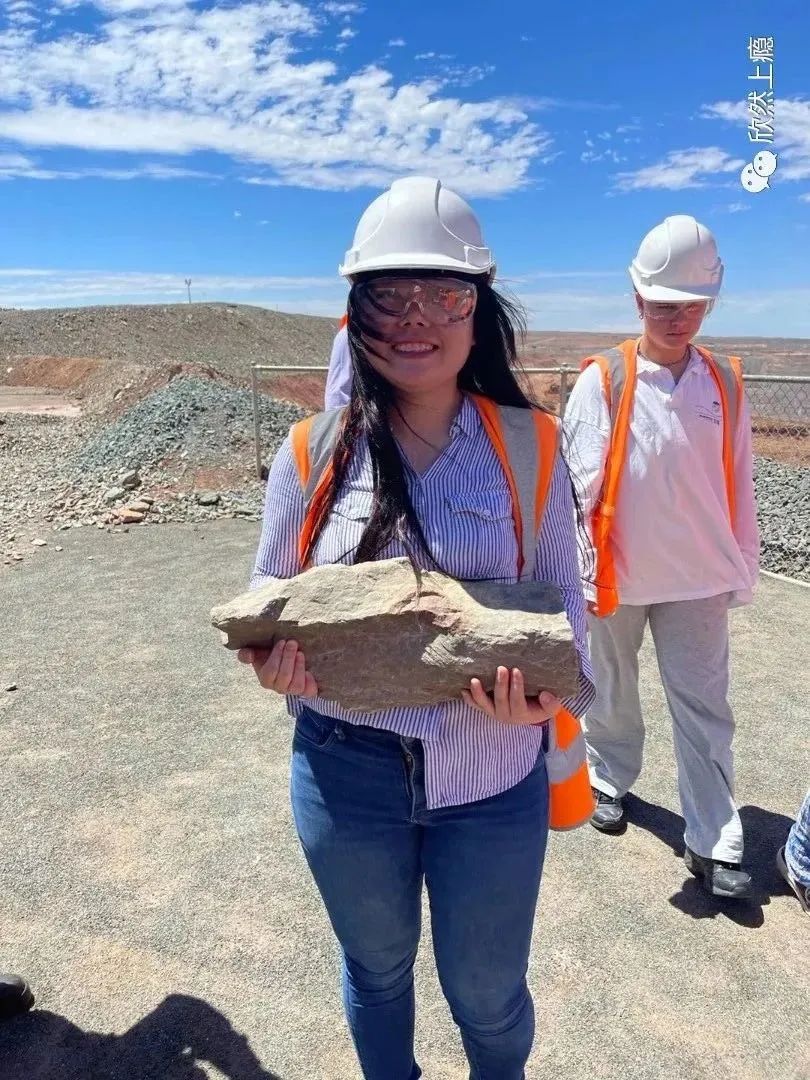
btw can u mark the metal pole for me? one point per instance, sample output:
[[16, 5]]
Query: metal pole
[[776, 378], [257, 433], [563, 390]]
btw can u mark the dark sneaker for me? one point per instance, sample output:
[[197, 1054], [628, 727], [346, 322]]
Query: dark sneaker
[[802, 891], [609, 813], [719, 878], [15, 995]]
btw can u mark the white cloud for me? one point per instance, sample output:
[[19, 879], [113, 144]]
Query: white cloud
[[344, 9], [28, 287], [14, 162], [124, 7], [397, 43], [172, 78], [738, 207], [692, 168], [237, 213], [791, 132], [579, 309], [555, 275], [775, 313], [346, 34], [20, 167], [805, 197], [21, 13], [608, 154]]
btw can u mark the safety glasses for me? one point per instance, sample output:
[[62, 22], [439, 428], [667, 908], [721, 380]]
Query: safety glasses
[[440, 300], [673, 312]]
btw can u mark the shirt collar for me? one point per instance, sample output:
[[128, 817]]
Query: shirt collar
[[645, 366], [467, 419]]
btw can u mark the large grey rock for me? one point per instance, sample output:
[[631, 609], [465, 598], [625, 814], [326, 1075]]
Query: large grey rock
[[378, 634]]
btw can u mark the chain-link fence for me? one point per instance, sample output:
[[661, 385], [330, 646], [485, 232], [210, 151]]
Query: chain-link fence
[[780, 408], [780, 404]]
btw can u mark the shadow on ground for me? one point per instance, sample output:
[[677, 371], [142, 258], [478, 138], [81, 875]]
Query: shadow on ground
[[764, 832], [170, 1043]]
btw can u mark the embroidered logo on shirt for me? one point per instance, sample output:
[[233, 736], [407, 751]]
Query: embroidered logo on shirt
[[712, 415]]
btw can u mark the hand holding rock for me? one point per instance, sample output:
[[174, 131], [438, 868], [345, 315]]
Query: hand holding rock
[[281, 669], [508, 703]]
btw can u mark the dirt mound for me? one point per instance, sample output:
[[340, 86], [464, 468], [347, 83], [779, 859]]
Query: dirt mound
[[227, 337], [54, 372], [109, 358]]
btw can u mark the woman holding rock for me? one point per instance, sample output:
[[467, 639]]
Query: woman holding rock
[[455, 796]]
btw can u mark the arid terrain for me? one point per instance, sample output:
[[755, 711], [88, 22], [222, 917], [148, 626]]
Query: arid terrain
[[119, 416]]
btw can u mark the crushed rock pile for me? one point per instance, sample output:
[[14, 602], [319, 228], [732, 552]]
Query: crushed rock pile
[[184, 452]]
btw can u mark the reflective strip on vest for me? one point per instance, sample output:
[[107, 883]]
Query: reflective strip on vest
[[618, 369], [313, 443], [526, 443], [571, 798]]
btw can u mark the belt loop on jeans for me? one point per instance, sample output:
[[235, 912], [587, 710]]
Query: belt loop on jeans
[[340, 732]]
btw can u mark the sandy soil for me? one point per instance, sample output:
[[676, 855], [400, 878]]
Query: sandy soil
[[36, 401]]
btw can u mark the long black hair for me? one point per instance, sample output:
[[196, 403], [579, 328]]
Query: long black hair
[[492, 369]]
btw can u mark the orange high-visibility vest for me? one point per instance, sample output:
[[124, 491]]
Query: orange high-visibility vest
[[618, 368], [526, 443]]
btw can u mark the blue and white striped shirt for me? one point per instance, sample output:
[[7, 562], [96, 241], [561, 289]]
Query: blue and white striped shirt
[[463, 503]]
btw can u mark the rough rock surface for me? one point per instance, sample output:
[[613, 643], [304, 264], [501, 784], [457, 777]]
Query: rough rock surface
[[377, 635]]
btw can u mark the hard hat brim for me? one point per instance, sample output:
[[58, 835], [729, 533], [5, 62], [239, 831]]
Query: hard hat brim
[[667, 294], [412, 261]]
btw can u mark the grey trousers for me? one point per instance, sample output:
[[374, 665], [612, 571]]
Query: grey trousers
[[691, 644]]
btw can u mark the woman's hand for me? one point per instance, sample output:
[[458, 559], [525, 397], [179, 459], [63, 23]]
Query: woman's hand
[[508, 703], [282, 668]]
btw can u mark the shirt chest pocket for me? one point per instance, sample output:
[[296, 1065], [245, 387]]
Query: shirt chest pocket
[[353, 507], [481, 535], [345, 527], [484, 506]]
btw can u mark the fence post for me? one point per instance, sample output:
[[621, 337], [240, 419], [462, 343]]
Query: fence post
[[257, 433], [563, 390]]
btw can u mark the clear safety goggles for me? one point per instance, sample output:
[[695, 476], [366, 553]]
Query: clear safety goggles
[[440, 300], [673, 312]]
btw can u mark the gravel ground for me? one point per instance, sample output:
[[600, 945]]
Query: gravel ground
[[154, 892], [783, 504], [184, 452]]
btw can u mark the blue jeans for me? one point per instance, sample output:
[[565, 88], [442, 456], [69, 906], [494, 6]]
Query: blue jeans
[[358, 797], [797, 849]]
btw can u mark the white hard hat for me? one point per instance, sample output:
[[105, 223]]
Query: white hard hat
[[677, 261], [418, 224]]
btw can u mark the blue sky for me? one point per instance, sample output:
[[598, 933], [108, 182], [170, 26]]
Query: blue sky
[[143, 142]]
